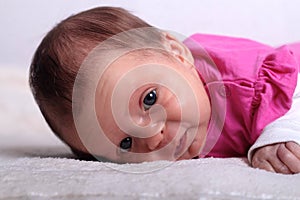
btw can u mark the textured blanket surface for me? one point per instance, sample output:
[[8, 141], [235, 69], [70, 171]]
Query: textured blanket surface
[[34, 164]]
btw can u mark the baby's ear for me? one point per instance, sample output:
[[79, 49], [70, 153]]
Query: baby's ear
[[177, 48]]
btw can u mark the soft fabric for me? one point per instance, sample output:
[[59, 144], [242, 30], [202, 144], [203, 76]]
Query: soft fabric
[[34, 164], [249, 84]]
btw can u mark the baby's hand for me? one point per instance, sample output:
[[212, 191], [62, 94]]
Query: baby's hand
[[281, 158]]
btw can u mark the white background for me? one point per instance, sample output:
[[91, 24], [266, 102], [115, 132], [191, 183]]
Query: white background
[[24, 22]]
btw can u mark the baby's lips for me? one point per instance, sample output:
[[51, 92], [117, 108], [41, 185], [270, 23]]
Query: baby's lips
[[180, 146]]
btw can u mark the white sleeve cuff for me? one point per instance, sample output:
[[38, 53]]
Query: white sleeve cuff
[[275, 135]]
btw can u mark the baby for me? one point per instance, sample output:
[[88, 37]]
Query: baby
[[114, 88]]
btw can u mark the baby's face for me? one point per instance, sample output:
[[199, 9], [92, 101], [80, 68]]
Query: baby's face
[[151, 109]]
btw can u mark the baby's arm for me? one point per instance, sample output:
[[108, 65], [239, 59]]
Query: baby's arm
[[278, 147]]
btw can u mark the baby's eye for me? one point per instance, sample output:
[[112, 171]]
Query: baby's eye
[[149, 100], [125, 144]]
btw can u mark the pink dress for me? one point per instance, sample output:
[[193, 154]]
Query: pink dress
[[249, 85]]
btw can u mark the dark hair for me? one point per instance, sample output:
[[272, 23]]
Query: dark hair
[[58, 57]]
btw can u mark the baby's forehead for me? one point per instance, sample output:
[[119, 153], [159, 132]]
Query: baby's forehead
[[115, 68], [123, 66], [139, 58], [134, 67]]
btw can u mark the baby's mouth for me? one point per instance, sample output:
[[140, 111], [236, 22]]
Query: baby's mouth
[[180, 147]]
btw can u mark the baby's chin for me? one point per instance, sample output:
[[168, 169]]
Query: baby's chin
[[195, 147], [193, 151]]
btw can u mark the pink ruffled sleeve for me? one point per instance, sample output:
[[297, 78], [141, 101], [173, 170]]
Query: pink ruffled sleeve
[[274, 89], [253, 82]]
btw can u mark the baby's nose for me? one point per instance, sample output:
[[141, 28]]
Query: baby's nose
[[154, 142]]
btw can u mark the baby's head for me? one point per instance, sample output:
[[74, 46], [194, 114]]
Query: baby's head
[[110, 85]]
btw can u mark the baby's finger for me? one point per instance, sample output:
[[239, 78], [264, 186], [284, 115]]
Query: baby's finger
[[288, 158], [279, 166], [294, 148], [263, 165]]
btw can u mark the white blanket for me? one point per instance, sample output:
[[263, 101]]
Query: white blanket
[[34, 164]]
